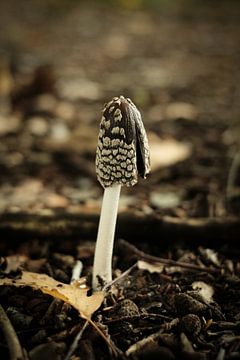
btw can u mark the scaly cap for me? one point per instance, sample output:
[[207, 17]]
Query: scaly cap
[[122, 150]]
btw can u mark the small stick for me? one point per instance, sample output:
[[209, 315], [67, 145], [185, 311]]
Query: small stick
[[119, 278], [76, 271], [13, 343], [168, 262], [115, 351], [138, 317], [75, 341], [111, 345]]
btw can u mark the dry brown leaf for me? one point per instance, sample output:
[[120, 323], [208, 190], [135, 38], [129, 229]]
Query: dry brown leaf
[[13, 263], [211, 255], [71, 294], [177, 110], [9, 124], [205, 290], [152, 268], [167, 152]]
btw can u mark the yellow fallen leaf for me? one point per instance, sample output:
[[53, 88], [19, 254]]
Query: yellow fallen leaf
[[71, 294]]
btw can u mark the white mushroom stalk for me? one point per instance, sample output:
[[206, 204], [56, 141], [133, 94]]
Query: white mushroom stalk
[[122, 154]]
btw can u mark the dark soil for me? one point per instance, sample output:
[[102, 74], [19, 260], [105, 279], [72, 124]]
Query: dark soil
[[168, 311], [178, 231]]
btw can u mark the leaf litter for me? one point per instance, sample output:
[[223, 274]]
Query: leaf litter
[[212, 331], [173, 307], [71, 294]]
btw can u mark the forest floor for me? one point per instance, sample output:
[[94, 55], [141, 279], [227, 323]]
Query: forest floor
[[180, 65]]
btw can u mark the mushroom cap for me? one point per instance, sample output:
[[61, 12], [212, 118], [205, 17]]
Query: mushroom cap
[[122, 150]]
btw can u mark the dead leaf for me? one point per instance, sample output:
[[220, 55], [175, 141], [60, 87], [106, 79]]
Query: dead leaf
[[165, 200], [152, 268], [177, 110], [205, 290], [74, 88], [9, 124], [211, 255], [166, 152], [71, 294], [57, 201], [13, 263]]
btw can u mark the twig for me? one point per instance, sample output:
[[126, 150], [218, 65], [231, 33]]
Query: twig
[[114, 349], [75, 341], [14, 346], [139, 345], [119, 278], [168, 262], [137, 317], [77, 270]]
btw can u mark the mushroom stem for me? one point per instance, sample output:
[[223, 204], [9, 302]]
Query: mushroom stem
[[102, 266]]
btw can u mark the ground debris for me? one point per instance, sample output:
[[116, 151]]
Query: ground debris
[[71, 294], [144, 312], [176, 295]]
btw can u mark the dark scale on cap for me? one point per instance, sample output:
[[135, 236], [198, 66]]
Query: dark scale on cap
[[122, 151]]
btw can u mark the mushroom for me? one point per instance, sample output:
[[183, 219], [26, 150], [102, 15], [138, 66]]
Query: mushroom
[[122, 153]]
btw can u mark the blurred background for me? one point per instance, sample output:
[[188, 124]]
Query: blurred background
[[61, 60]]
